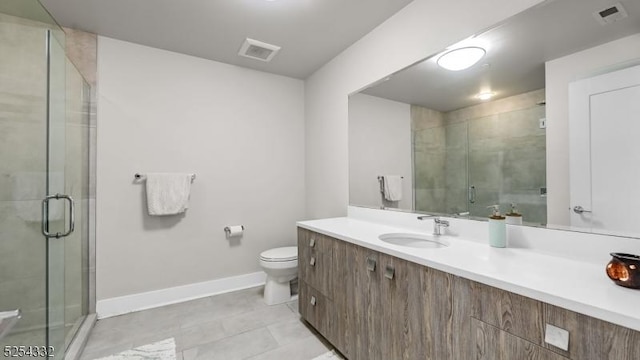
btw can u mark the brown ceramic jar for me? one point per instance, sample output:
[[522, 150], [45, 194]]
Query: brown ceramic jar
[[624, 270]]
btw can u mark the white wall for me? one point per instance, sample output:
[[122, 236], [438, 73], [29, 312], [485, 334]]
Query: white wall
[[420, 29], [559, 73], [379, 135], [242, 133]]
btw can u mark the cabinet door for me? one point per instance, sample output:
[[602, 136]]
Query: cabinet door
[[417, 311], [437, 319], [492, 343], [314, 308], [343, 329], [368, 319], [394, 300], [462, 295]]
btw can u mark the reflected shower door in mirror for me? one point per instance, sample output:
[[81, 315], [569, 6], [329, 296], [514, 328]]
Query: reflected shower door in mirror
[[492, 153], [497, 130]]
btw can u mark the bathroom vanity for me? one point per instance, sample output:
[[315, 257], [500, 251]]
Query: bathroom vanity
[[467, 138], [374, 300]]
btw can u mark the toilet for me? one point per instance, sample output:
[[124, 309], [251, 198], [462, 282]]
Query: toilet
[[281, 266]]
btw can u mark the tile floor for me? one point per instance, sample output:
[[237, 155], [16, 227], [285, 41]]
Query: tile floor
[[230, 326]]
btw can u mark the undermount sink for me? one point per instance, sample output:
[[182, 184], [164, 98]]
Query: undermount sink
[[414, 240]]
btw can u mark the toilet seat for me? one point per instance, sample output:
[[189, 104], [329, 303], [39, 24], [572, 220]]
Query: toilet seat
[[282, 254], [281, 267]]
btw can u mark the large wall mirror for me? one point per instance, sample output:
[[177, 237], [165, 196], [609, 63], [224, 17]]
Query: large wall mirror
[[540, 113]]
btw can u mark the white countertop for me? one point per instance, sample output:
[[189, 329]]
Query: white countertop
[[578, 286]]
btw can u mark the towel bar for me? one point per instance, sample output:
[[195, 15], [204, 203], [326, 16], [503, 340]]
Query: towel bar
[[139, 176], [381, 181]]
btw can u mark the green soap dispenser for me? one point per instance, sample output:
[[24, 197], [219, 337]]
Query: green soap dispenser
[[497, 228]]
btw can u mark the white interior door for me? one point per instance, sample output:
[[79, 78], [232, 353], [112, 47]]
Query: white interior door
[[605, 152]]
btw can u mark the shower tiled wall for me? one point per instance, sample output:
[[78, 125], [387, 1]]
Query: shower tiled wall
[[429, 159], [498, 147]]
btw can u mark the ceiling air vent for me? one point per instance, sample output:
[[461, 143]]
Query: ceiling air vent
[[258, 50], [610, 14]]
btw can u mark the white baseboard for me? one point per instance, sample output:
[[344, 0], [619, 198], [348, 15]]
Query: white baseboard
[[142, 301]]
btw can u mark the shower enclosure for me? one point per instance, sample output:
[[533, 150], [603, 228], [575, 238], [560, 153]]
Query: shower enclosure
[[47, 196]]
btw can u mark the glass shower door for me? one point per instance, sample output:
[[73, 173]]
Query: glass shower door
[[507, 163], [58, 207], [23, 178], [36, 215], [68, 192]]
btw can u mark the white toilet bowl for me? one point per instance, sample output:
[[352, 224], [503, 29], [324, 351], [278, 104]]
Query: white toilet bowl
[[281, 266]]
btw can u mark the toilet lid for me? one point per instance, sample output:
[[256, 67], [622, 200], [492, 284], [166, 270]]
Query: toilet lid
[[288, 253]]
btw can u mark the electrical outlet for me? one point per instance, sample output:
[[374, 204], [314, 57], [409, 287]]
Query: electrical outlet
[[543, 123], [557, 337]]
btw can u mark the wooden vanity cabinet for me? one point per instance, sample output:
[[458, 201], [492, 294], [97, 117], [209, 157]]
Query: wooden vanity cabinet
[[373, 306], [380, 307]]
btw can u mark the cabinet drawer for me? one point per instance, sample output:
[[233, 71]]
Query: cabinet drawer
[[590, 338], [491, 343], [310, 242], [316, 271], [315, 308], [518, 315], [315, 256]]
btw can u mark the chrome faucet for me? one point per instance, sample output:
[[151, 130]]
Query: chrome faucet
[[438, 223]]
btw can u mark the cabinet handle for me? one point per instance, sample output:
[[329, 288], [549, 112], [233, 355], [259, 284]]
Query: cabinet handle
[[313, 301], [371, 264], [389, 272], [312, 242], [312, 262]]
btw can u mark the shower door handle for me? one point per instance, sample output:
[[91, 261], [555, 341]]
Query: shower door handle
[[45, 220], [472, 194]]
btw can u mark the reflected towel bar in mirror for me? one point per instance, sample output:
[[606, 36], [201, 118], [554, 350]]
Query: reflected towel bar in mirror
[[139, 176]]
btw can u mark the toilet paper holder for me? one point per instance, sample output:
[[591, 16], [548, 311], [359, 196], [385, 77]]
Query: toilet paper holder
[[227, 229]]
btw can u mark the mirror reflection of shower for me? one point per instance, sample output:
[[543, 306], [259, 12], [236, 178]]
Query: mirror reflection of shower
[[486, 154]]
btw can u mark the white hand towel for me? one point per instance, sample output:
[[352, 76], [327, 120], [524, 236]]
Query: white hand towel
[[168, 193], [392, 187]]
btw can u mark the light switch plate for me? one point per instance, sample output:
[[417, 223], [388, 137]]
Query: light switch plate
[[557, 337], [543, 123]]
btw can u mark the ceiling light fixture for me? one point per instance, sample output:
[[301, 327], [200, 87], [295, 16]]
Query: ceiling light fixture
[[484, 96], [462, 58]]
